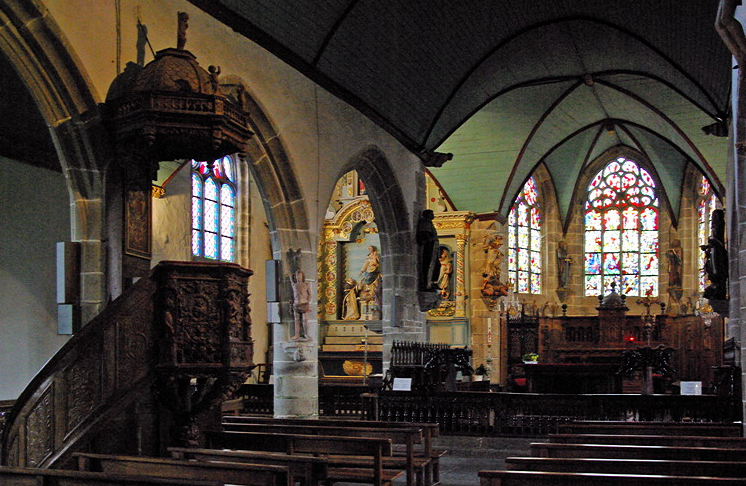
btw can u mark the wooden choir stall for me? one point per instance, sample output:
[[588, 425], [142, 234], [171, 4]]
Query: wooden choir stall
[[585, 354]]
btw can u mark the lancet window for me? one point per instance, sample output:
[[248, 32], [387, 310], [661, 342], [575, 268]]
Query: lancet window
[[621, 231], [524, 241], [214, 209], [706, 203]]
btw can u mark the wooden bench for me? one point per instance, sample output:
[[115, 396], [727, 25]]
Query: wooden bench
[[625, 466], [224, 472], [429, 431], [307, 469], [620, 454], [323, 445], [13, 476], [615, 451], [652, 428], [660, 440], [541, 478], [232, 407], [408, 436]]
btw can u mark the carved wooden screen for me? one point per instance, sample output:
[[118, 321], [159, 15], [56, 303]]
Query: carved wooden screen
[[523, 337]]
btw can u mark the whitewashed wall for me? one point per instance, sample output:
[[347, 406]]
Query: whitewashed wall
[[34, 216]]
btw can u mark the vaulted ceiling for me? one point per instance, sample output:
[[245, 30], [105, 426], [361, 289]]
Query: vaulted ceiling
[[505, 86]]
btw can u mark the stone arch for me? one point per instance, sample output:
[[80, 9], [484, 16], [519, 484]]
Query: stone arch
[[295, 365], [401, 316], [267, 159], [36, 48]]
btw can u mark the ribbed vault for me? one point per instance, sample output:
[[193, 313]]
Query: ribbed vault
[[505, 86]]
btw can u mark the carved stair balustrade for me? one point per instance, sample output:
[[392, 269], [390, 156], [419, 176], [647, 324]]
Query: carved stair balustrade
[[180, 336]]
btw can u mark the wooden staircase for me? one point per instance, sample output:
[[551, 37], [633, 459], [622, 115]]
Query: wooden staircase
[[133, 372]]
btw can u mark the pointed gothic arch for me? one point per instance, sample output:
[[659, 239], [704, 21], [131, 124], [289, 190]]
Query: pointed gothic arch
[[398, 262], [68, 103]]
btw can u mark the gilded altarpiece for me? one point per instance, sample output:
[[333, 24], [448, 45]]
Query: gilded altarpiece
[[345, 228], [350, 293], [449, 322]]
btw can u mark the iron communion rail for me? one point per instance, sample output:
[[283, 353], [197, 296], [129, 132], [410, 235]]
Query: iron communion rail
[[503, 414], [522, 414]]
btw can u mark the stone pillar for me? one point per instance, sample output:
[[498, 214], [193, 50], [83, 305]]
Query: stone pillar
[[82, 150], [295, 354], [736, 223], [402, 319]]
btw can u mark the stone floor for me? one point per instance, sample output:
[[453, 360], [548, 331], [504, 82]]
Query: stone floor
[[469, 455]]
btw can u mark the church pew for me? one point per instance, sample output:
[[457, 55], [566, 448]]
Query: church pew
[[231, 407], [429, 431], [541, 478], [626, 466], [224, 472], [307, 469], [13, 476], [657, 440], [652, 428], [545, 449], [324, 445], [408, 436]]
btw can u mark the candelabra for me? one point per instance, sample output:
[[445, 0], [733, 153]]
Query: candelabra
[[649, 321]]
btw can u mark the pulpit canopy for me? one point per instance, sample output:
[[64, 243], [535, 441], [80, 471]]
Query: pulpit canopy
[[172, 108]]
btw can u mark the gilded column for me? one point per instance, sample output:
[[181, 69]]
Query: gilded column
[[330, 278], [460, 279]]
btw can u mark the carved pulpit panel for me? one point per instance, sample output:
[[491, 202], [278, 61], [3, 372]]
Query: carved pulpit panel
[[205, 347]]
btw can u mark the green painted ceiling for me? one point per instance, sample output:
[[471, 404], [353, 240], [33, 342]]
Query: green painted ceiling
[[505, 86]]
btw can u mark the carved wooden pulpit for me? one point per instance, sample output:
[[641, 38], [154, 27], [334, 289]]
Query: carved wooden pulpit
[[204, 350]]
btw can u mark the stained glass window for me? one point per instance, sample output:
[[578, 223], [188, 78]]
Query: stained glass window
[[621, 231], [707, 202], [524, 241], [214, 209]]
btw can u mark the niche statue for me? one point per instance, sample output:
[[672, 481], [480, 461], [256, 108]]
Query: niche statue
[[427, 244], [716, 258], [564, 262], [301, 306]]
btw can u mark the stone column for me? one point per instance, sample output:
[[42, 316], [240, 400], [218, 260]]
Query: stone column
[[295, 356], [83, 151], [736, 223]]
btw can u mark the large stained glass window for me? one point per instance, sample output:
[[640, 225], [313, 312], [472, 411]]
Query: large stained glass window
[[707, 202], [524, 241], [621, 231], [214, 209]]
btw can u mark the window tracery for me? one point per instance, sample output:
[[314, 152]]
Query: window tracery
[[524, 241], [706, 203], [214, 209], [621, 231]]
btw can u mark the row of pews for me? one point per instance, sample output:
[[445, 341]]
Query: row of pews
[[263, 451], [630, 453], [354, 451]]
